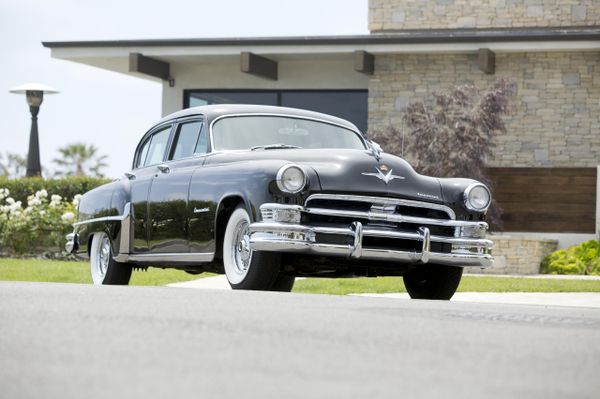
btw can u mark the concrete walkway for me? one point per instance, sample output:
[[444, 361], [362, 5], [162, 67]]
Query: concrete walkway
[[572, 299]]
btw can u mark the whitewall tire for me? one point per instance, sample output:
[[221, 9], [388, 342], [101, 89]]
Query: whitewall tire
[[104, 269], [246, 269]]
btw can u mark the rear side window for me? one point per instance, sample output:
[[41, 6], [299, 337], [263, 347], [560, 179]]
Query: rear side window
[[201, 146], [186, 140], [156, 148]]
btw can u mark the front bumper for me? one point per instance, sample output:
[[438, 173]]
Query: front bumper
[[277, 236]]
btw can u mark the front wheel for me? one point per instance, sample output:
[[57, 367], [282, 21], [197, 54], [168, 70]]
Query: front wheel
[[433, 281], [105, 270], [246, 269]]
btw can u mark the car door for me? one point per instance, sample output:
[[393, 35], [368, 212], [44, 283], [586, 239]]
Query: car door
[[149, 153], [168, 197]]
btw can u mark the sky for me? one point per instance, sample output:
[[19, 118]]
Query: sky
[[112, 110]]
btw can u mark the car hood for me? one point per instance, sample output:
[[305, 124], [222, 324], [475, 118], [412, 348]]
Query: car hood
[[352, 171]]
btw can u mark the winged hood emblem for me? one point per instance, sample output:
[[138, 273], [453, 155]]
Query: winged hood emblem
[[382, 175]]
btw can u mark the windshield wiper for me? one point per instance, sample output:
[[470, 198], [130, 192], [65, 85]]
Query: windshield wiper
[[273, 147]]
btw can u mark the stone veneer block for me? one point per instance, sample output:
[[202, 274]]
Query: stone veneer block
[[557, 107], [443, 14], [517, 255]]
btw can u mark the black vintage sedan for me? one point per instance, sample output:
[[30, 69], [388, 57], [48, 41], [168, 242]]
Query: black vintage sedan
[[264, 194]]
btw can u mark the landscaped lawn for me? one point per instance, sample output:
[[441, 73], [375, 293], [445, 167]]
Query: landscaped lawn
[[343, 286], [79, 272]]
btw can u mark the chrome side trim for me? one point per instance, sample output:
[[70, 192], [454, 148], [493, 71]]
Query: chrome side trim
[[382, 200], [102, 219], [126, 230], [167, 257]]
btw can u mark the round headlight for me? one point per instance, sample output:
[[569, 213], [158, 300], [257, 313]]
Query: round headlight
[[477, 197], [291, 179]]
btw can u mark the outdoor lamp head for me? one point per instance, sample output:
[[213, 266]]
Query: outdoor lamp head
[[34, 97], [34, 92]]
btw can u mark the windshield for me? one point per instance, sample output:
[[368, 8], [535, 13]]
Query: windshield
[[255, 131]]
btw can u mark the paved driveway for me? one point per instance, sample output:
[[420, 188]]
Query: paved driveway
[[83, 341]]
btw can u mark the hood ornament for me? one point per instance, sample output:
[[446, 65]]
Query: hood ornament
[[381, 175]]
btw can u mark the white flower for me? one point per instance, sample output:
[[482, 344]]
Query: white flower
[[10, 201], [68, 216], [4, 193], [55, 198], [42, 213], [34, 201], [76, 199], [41, 194], [14, 207]]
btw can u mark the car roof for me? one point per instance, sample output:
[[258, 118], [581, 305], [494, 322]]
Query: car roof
[[212, 112]]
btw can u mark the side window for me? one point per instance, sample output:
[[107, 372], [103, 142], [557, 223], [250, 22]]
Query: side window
[[158, 145], [143, 153], [201, 146], [185, 140]]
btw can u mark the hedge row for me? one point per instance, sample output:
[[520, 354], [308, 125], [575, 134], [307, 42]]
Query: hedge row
[[66, 187]]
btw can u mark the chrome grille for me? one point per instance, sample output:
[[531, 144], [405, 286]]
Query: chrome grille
[[382, 214]]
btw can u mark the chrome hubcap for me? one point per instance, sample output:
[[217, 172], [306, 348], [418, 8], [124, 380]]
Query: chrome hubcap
[[242, 254], [103, 256]]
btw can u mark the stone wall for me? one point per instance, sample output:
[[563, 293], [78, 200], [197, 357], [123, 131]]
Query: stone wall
[[557, 111], [441, 14], [517, 255]]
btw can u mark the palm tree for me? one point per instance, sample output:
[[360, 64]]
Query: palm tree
[[14, 166], [79, 159]]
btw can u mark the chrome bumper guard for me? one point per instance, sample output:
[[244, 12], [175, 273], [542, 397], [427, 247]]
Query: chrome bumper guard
[[72, 243], [290, 236]]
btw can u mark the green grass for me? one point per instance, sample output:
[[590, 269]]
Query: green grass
[[344, 286], [79, 272]]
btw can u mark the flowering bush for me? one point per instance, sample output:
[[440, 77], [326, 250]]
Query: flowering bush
[[39, 226]]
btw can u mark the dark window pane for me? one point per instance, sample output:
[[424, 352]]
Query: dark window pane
[[349, 105], [187, 135], [225, 97]]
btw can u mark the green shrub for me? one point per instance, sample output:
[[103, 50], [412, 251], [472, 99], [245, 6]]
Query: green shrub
[[38, 226], [583, 258], [66, 187]]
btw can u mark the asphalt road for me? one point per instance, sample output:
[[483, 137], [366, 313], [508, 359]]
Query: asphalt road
[[81, 341]]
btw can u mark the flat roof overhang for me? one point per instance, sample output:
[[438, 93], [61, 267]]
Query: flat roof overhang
[[114, 54]]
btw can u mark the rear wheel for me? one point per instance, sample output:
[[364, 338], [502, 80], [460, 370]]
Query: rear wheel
[[246, 269], [433, 281], [104, 269]]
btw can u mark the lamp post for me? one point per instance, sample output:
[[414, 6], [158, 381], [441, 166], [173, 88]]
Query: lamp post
[[34, 93]]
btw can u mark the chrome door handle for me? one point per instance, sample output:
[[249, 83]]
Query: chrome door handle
[[164, 168], [129, 175]]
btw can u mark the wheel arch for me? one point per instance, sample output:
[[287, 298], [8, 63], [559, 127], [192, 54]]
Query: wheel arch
[[226, 207]]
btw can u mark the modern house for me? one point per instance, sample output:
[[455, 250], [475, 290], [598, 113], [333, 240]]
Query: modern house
[[545, 167]]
